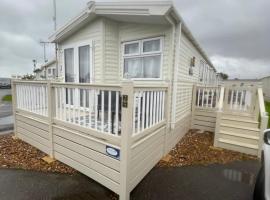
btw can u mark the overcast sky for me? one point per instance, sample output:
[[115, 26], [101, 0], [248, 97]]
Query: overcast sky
[[234, 33]]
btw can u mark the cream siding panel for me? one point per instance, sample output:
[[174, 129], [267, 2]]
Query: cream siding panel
[[204, 119], [144, 156], [185, 81], [92, 31], [111, 54]]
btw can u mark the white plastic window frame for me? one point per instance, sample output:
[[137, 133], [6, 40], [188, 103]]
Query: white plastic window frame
[[142, 54]]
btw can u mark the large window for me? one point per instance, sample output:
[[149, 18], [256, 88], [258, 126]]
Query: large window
[[142, 59], [77, 63], [84, 64], [69, 65]]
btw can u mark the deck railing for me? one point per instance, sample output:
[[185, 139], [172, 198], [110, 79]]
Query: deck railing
[[149, 107], [93, 106], [240, 98], [207, 97], [89, 105], [32, 97]]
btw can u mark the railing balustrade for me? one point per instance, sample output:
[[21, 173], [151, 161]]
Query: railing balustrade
[[239, 99], [32, 97], [149, 108], [207, 97], [91, 106], [94, 106]]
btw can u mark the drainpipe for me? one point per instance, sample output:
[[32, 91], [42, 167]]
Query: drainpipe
[[176, 53]]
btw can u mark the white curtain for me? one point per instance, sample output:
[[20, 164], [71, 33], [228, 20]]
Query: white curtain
[[152, 45], [133, 68], [151, 66], [132, 48]]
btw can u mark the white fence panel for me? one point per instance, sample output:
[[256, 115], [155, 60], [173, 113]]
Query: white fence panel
[[32, 98]]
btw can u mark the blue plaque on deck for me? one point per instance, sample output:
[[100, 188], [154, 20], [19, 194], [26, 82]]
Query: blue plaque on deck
[[113, 152]]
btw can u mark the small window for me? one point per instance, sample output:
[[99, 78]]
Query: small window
[[142, 59], [49, 71], [132, 48], [151, 46]]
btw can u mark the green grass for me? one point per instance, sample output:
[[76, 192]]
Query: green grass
[[267, 107], [7, 98]]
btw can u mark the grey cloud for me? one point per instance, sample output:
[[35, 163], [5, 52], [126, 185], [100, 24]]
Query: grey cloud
[[235, 34]]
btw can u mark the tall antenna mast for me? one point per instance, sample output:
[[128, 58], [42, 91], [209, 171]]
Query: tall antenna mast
[[55, 44], [54, 14]]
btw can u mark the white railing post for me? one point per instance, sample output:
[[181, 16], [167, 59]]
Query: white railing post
[[221, 99], [14, 105], [126, 134], [219, 115], [264, 119], [51, 112]]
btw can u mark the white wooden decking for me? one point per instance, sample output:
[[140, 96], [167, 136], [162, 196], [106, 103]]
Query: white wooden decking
[[232, 111], [115, 134]]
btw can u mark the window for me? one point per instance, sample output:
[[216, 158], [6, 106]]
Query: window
[[69, 72], [53, 71], [84, 64], [84, 71], [69, 65], [142, 59]]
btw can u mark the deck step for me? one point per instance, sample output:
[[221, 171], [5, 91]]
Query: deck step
[[253, 137], [238, 146], [238, 137], [241, 144], [243, 116], [239, 129], [240, 122]]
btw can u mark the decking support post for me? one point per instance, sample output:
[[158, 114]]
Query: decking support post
[[256, 108], [50, 116], [167, 113], [14, 106], [126, 134], [217, 128], [220, 108]]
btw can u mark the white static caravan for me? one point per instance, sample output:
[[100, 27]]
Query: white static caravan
[[133, 77], [47, 71]]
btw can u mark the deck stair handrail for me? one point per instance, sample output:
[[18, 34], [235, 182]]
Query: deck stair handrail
[[260, 109], [221, 99]]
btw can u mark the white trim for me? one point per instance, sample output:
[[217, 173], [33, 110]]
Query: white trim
[[143, 55]]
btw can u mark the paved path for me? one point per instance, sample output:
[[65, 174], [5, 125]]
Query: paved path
[[223, 182]]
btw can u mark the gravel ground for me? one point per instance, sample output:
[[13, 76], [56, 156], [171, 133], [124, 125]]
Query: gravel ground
[[197, 149], [194, 149], [18, 154]]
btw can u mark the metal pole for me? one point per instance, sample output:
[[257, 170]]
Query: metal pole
[[55, 27], [54, 14]]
